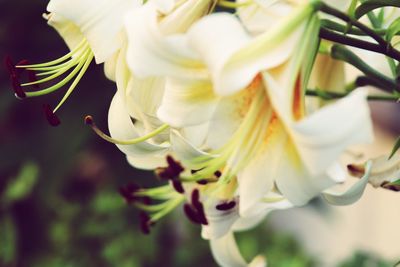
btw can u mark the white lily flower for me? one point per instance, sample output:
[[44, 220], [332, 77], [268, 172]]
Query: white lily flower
[[299, 150]]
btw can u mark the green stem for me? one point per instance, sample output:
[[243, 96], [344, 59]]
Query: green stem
[[325, 95], [338, 14]]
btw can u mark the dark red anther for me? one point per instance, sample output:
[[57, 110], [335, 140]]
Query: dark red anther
[[191, 213], [201, 214], [195, 198], [178, 186], [145, 222], [51, 117], [202, 182], [226, 205], [14, 78], [217, 174], [171, 172], [16, 85], [127, 192], [10, 66], [175, 166]]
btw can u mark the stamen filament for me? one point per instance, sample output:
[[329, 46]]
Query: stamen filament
[[89, 121], [61, 83], [76, 81], [59, 60]]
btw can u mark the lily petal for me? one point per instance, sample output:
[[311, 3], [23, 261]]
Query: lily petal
[[235, 58], [151, 53], [227, 254], [187, 102], [100, 21], [122, 128], [324, 135], [219, 222], [353, 194]]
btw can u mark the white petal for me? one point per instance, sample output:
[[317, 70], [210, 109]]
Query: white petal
[[110, 67], [165, 6], [122, 128], [227, 254], [324, 135], [148, 162], [232, 56], [262, 14], [225, 251], [353, 194], [187, 102], [185, 151], [67, 30], [219, 222], [150, 53], [100, 21]]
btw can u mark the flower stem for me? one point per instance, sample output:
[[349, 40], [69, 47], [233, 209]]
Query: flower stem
[[325, 95]]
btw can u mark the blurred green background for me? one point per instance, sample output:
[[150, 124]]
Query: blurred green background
[[59, 201]]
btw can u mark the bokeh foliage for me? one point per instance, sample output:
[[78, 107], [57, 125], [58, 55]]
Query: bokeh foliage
[[58, 186]]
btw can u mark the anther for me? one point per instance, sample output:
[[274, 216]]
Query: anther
[[145, 222], [195, 197], [201, 214], [175, 166], [127, 192], [191, 213], [226, 205], [171, 172], [217, 174], [51, 117], [202, 182], [16, 85], [198, 206], [356, 170], [178, 186]]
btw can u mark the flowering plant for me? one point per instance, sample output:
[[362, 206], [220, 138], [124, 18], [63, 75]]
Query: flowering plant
[[239, 107]]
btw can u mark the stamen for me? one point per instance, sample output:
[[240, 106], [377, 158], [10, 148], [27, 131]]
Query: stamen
[[127, 192], [356, 170], [199, 206], [14, 78], [191, 213], [171, 172], [16, 85], [51, 116], [195, 197], [178, 186], [226, 205], [145, 222], [89, 121], [201, 214]]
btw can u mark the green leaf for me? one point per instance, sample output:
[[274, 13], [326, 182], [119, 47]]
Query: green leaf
[[393, 30], [395, 147], [22, 185], [371, 5], [8, 240], [397, 182]]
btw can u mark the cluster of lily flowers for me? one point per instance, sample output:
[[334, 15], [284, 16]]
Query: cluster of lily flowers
[[211, 96]]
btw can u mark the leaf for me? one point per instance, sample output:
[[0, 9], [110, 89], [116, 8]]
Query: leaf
[[395, 183], [371, 5], [8, 240], [393, 30], [22, 185], [395, 148]]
